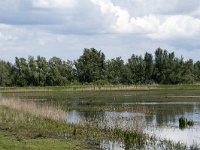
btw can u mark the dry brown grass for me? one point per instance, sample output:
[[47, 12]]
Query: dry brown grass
[[45, 110]]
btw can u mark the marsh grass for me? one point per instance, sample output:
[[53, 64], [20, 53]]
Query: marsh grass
[[94, 87], [46, 111], [89, 87]]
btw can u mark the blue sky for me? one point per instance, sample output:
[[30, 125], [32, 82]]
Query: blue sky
[[63, 28]]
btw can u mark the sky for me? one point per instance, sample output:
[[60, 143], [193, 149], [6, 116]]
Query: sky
[[63, 28]]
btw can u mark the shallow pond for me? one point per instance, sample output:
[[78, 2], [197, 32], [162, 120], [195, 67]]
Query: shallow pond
[[164, 125]]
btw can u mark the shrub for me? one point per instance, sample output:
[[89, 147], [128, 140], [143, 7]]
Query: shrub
[[183, 123]]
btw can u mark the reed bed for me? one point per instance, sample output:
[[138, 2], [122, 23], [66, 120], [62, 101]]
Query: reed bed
[[45, 111], [81, 88]]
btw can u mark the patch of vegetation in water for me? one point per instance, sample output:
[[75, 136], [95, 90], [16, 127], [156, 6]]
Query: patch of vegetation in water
[[183, 123]]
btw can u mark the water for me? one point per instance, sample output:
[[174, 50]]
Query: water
[[162, 124], [157, 112]]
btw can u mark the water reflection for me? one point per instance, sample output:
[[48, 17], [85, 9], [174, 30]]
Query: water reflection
[[111, 145], [162, 123], [109, 120]]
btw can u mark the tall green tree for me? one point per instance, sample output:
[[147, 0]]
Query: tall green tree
[[91, 66], [165, 68], [5, 73], [22, 71], [136, 66], [115, 70], [67, 71], [148, 60], [42, 71], [169, 69], [188, 72], [197, 71], [158, 66], [54, 72], [33, 75]]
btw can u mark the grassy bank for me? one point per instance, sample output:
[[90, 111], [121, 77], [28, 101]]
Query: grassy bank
[[8, 141], [80, 88], [91, 87], [30, 126], [21, 130], [27, 121]]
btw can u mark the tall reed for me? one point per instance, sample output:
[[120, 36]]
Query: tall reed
[[46, 111]]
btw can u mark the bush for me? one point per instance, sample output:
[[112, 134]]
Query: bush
[[183, 123]]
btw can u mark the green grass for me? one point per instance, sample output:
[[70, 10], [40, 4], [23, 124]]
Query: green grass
[[19, 130], [94, 87], [13, 142]]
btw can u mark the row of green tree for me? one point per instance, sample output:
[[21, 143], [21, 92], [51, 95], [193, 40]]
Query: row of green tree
[[162, 68]]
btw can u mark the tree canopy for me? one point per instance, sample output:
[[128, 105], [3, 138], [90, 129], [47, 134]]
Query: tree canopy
[[163, 68]]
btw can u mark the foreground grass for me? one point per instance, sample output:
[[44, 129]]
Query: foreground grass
[[13, 142], [24, 125], [30, 129]]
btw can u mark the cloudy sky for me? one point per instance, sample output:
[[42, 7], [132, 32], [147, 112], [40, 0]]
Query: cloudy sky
[[63, 28]]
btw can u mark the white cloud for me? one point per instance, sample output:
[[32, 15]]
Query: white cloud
[[153, 26], [119, 27], [54, 3], [174, 27], [6, 33], [119, 16], [158, 7]]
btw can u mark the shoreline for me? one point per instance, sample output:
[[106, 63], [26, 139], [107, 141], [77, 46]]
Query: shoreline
[[82, 88]]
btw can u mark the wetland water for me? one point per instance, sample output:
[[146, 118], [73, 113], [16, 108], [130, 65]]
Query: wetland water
[[163, 125], [155, 112]]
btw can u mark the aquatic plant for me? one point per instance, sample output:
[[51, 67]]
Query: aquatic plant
[[183, 122], [190, 123]]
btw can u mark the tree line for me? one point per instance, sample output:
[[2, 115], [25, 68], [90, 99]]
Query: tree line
[[92, 67]]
